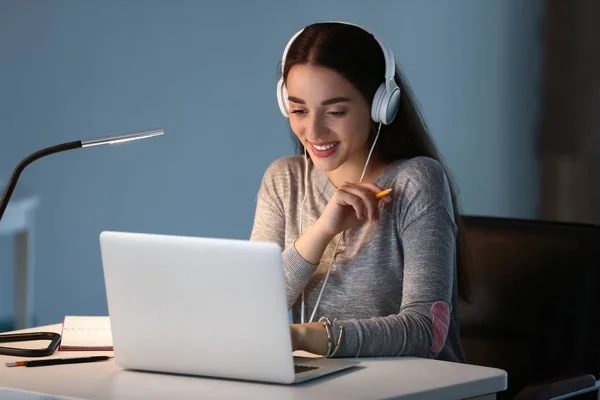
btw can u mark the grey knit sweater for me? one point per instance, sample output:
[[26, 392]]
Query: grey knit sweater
[[392, 284]]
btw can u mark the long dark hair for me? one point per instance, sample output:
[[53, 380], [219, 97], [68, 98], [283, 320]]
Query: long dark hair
[[356, 55]]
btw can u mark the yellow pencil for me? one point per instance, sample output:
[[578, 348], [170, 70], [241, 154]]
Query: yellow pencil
[[382, 193]]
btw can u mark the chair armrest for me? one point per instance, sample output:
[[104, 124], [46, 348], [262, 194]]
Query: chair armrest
[[563, 387]]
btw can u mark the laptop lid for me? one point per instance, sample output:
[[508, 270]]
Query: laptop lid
[[200, 306]]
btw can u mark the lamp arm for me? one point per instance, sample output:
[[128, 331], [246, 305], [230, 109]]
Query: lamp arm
[[12, 182]]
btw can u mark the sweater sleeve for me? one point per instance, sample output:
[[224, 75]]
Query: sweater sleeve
[[270, 226], [426, 230]]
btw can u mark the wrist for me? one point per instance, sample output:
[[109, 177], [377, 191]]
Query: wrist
[[298, 336], [320, 230], [312, 244], [311, 337]]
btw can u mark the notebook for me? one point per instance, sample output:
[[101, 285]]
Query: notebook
[[86, 333]]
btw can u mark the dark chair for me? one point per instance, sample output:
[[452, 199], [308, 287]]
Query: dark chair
[[535, 305]]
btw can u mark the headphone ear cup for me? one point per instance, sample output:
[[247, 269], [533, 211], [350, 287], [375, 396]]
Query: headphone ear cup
[[385, 105], [282, 98], [378, 104], [392, 105]]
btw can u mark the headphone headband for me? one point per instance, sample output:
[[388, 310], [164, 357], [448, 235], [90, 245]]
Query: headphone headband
[[390, 61]]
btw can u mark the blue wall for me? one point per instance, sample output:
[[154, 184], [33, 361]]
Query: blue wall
[[206, 72]]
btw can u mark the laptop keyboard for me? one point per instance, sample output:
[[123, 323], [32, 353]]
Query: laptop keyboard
[[303, 368]]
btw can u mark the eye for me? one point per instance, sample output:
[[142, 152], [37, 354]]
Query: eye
[[298, 112], [337, 113]]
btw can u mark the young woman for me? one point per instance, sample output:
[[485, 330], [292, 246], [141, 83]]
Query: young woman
[[366, 275]]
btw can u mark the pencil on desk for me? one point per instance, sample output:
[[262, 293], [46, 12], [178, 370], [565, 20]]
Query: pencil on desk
[[383, 193], [56, 361]]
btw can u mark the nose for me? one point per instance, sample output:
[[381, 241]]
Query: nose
[[315, 128]]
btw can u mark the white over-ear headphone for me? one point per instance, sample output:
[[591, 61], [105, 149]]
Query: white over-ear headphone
[[386, 99]]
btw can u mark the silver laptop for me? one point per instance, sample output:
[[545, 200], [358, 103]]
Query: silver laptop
[[202, 306]]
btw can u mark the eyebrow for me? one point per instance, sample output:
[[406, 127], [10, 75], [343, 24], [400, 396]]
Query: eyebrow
[[327, 102]]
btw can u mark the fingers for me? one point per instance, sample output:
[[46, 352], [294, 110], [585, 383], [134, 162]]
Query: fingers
[[380, 194], [386, 197], [370, 186], [362, 199], [347, 198]]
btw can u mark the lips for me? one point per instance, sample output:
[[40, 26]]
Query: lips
[[324, 149]]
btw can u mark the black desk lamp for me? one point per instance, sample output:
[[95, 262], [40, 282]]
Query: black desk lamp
[[10, 187], [64, 147]]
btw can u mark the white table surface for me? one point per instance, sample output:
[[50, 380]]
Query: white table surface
[[404, 377]]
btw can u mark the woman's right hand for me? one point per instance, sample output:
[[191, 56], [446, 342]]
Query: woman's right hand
[[350, 205]]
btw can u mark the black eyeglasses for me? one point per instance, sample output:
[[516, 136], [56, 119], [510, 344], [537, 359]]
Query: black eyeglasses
[[53, 337]]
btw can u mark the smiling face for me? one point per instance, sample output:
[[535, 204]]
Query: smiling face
[[330, 117]]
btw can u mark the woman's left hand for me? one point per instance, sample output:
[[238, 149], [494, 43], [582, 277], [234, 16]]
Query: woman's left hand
[[310, 337]]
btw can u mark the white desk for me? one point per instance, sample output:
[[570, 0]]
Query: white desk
[[18, 221], [404, 377]]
